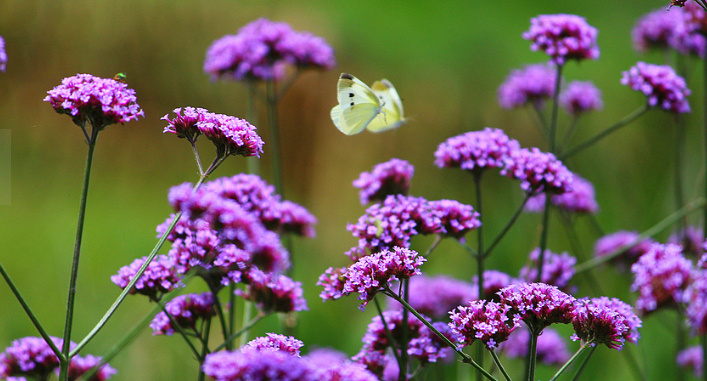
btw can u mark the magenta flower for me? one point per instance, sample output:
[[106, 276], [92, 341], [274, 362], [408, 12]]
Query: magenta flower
[[332, 365], [494, 281], [660, 277], [257, 366], [580, 199], [185, 126], [80, 365], [662, 87], [333, 281], [533, 83], [436, 296], [558, 269], [99, 101], [580, 97], [3, 55], [695, 301], [159, 278], [655, 29], [551, 347], [539, 305], [231, 136], [274, 293], [389, 178], [563, 37], [185, 310], [702, 262], [538, 171], [373, 273], [605, 321], [29, 357], [614, 241], [691, 358], [691, 238], [476, 150], [483, 320], [456, 218], [275, 342]]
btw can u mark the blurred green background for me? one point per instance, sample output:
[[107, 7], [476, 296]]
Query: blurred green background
[[446, 60]]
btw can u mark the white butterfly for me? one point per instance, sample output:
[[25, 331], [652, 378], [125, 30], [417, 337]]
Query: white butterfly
[[378, 108]]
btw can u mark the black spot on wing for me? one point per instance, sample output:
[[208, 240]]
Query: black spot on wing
[[351, 95], [352, 103], [346, 76]]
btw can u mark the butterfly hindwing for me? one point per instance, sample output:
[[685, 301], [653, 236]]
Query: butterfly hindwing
[[391, 115]]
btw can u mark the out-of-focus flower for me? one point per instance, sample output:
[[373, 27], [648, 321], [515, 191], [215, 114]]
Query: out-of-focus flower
[[389, 178], [476, 150], [691, 239], [483, 320], [332, 365], [494, 281], [558, 269], [436, 296], [185, 310], [580, 97], [29, 357], [563, 37], [655, 29], [257, 366], [99, 101], [274, 293], [551, 349], [609, 243], [660, 277], [159, 278], [695, 300], [538, 171], [275, 342], [80, 365], [659, 83], [3, 55], [691, 358], [578, 200], [533, 83]]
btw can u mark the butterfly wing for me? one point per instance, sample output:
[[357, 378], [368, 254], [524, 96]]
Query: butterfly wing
[[391, 115], [358, 105]]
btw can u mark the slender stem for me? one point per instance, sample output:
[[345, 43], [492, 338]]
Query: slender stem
[[553, 121], [438, 239], [538, 118], [287, 84], [243, 330], [543, 237], [247, 311], [532, 354], [584, 364], [66, 348], [204, 349], [704, 154], [252, 117], [680, 339], [219, 312], [498, 363], [479, 263], [657, 228], [274, 137], [30, 314], [232, 308], [571, 360], [590, 142], [571, 232], [122, 343], [388, 333], [508, 225], [465, 357], [179, 329], [402, 374], [570, 133], [198, 158], [633, 365]]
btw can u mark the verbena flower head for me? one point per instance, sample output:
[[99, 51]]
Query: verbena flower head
[[159, 278], [391, 177], [563, 37], [691, 358], [558, 269], [695, 18], [538, 171], [257, 366], [655, 29], [605, 321], [186, 310], [494, 281], [333, 281], [436, 296], [660, 84], [695, 300], [100, 101], [261, 50], [691, 238], [29, 357], [3, 55], [275, 342], [80, 365], [456, 218], [660, 277], [231, 135], [533, 83], [581, 97], [580, 199], [332, 365], [551, 349], [538, 305], [373, 273], [609, 243], [185, 126], [274, 293], [483, 320], [476, 150]]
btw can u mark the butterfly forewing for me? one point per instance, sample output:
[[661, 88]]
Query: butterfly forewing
[[351, 92]]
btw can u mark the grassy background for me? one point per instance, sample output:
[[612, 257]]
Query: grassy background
[[446, 60]]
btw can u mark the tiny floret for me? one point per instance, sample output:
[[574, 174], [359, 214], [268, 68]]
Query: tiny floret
[[660, 84], [563, 37], [558, 269], [539, 305]]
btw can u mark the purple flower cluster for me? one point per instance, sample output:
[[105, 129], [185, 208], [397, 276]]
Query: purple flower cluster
[[159, 278], [702, 262], [660, 277], [614, 241], [374, 272], [580, 199], [580, 97], [262, 49], [533, 83], [558, 269], [551, 347], [80, 365], [538, 171], [660, 84], [691, 358], [333, 281], [3, 55], [275, 342], [257, 366], [389, 178], [435, 296], [563, 37], [494, 281], [691, 238], [539, 305], [274, 293], [393, 222], [184, 310], [230, 135], [476, 150], [483, 320], [695, 300], [100, 101], [332, 365], [605, 321], [662, 30]]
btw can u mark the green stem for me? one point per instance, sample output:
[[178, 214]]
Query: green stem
[[571, 360], [570, 132], [465, 357], [680, 339], [243, 330], [498, 363], [198, 158], [703, 343], [553, 121], [219, 312], [532, 354], [590, 142], [438, 239], [679, 145], [543, 236], [247, 311], [479, 263], [538, 118], [657, 228], [179, 329], [571, 232], [402, 374], [704, 154], [274, 137], [65, 359], [232, 308], [584, 364], [204, 349], [508, 225], [388, 333]]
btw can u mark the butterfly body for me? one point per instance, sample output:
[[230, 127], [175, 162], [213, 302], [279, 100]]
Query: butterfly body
[[360, 107]]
